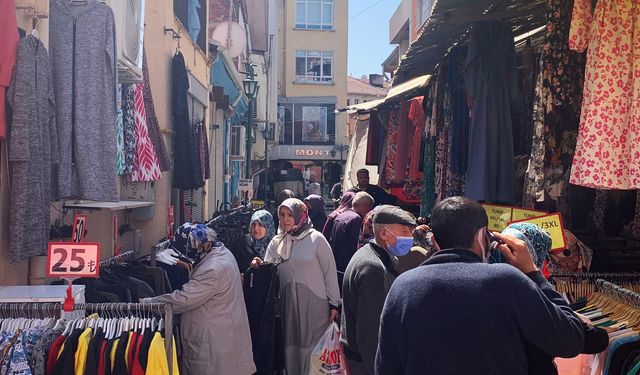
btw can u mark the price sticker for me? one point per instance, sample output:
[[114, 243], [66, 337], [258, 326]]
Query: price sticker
[[499, 216], [553, 225], [71, 260]]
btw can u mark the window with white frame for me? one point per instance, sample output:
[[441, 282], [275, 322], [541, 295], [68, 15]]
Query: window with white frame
[[237, 149], [314, 66], [314, 14]]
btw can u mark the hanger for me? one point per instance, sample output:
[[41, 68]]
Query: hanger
[[34, 26]]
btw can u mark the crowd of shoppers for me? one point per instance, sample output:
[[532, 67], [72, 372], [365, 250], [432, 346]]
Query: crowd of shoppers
[[395, 284]]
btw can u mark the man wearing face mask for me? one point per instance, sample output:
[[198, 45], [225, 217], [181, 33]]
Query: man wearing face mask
[[367, 280], [474, 317]]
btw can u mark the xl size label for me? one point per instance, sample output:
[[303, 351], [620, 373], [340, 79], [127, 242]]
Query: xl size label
[[553, 225], [68, 259]]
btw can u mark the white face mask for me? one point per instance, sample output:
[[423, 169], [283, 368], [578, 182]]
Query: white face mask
[[482, 241]]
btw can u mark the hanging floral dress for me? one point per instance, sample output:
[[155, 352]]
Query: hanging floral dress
[[608, 149]]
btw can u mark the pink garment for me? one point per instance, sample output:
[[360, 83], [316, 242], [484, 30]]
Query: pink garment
[[145, 165], [8, 48], [580, 365], [608, 149]]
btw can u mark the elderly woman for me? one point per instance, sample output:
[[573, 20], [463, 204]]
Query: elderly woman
[[310, 297], [345, 203], [215, 328], [317, 213], [261, 231]]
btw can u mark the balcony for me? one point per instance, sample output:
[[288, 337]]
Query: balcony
[[399, 23]]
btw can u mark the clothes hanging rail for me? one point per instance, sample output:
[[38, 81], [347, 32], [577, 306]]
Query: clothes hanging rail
[[48, 309], [156, 248], [577, 286], [622, 294], [117, 258]]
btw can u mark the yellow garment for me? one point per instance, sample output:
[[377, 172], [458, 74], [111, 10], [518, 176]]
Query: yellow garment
[[157, 363], [81, 352], [126, 353], [112, 355]]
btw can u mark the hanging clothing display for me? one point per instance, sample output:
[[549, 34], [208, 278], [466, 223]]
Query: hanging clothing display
[[609, 137], [460, 120], [33, 150], [8, 46], [428, 196], [164, 159], [145, 165], [83, 58], [186, 156], [120, 161], [412, 188], [129, 127], [492, 85], [391, 149]]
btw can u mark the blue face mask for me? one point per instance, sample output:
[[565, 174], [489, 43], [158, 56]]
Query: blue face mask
[[402, 247]]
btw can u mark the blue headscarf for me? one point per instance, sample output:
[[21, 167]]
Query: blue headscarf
[[537, 239], [264, 218]]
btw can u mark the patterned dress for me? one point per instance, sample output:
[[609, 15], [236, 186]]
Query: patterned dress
[[608, 149]]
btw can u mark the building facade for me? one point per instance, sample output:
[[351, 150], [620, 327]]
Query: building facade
[[363, 90], [312, 85]]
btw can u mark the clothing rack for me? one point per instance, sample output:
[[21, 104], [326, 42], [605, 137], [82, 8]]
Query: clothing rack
[[622, 294], [117, 258], [16, 310], [576, 286]]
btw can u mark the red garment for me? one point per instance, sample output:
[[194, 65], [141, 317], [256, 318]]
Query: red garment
[[132, 349], [145, 165], [136, 367], [405, 133], [101, 360], [417, 120], [52, 357], [8, 48]]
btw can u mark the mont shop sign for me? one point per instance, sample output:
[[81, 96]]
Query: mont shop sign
[[291, 152]]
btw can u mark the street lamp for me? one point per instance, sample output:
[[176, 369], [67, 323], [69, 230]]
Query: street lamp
[[339, 148], [250, 86]]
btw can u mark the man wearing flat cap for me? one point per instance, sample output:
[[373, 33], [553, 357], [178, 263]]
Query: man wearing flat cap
[[367, 281]]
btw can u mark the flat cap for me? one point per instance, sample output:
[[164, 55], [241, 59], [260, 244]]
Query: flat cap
[[388, 214]]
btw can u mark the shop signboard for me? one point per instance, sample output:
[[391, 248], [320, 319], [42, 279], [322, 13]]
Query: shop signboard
[[79, 227], [301, 152], [245, 184], [553, 225], [499, 216], [71, 260], [522, 214]]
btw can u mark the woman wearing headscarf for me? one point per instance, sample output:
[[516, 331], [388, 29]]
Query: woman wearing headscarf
[[214, 325], [261, 231], [310, 297], [538, 243], [366, 233], [345, 204], [317, 213]]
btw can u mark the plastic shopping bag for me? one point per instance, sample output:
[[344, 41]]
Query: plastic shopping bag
[[327, 357]]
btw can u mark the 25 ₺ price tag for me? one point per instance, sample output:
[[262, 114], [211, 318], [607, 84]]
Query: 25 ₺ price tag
[[71, 260]]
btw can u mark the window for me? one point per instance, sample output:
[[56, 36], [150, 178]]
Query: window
[[237, 141], [307, 124], [425, 10], [348, 102], [314, 66], [314, 14], [356, 101]]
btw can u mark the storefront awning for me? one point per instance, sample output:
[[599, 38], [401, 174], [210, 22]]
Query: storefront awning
[[449, 24], [407, 90]]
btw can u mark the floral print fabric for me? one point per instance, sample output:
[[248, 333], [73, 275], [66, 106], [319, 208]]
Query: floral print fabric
[[608, 149]]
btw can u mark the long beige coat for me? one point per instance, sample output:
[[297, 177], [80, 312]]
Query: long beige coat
[[215, 329]]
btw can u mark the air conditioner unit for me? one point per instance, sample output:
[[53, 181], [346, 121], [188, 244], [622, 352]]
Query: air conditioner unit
[[129, 17]]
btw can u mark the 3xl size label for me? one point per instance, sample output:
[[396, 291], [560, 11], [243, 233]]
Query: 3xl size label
[[68, 259], [553, 225]]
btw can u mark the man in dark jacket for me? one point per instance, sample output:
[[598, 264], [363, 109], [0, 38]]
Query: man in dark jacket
[[367, 280], [379, 195], [345, 231], [454, 314]]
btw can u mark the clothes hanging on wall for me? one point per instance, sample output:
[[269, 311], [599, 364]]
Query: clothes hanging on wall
[[120, 158], [129, 127], [609, 137], [492, 85], [33, 150], [412, 187], [8, 47], [164, 159], [145, 166], [83, 58], [187, 174], [427, 201]]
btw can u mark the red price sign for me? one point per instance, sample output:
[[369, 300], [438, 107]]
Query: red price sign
[[68, 259]]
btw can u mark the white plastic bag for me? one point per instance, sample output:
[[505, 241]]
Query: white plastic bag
[[327, 357]]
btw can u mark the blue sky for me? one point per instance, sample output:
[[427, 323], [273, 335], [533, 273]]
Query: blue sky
[[369, 35]]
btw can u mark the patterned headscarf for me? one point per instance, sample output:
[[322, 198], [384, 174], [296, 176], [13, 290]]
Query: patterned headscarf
[[346, 202], [204, 236], [180, 241], [422, 236], [264, 218], [301, 228], [366, 233], [537, 239]]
